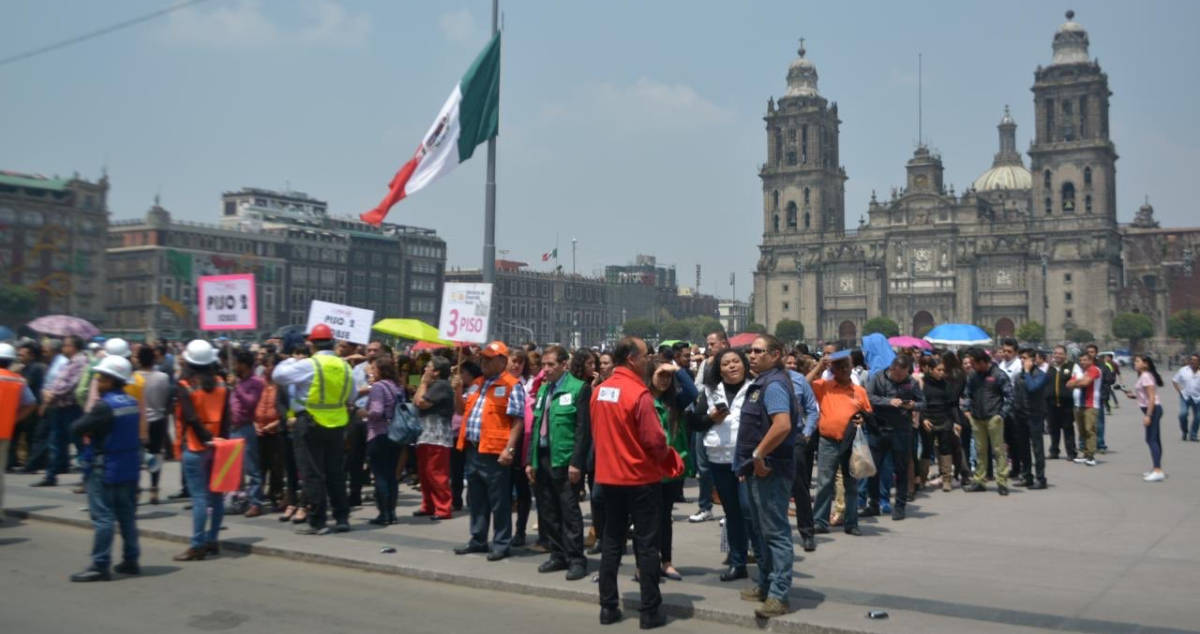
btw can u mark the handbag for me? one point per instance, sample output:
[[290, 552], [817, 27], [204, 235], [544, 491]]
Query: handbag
[[405, 427], [861, 463]]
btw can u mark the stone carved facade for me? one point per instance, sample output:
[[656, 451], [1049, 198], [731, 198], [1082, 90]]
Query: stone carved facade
[[1040, 244]]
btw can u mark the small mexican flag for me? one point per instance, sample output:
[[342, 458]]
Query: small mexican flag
[[469, 117], [552, 254]]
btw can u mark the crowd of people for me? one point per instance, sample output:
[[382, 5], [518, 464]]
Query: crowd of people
[[619, 429]]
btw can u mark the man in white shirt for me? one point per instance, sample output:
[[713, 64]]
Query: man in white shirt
[[1016, 434], [1187, 385]]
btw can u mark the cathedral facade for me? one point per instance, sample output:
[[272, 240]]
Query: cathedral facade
[[1022, 244]]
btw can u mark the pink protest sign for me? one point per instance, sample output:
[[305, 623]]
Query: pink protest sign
[[227, 302]]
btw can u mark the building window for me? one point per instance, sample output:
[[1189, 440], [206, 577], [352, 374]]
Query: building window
[[1046, 179], [1049, 120], [1070, 314], [1049, 206], [775, 199], [786, 288], [1066, 278], [1083, 117], [1068, 297], [807, 220], [1087, 203], [804, 144], [791, 134], [806, 196], [775, 222], [791, 157], [787, 306], [791, 215], [1068, 197]]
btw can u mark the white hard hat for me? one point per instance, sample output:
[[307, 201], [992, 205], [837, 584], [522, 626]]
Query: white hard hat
[[116, 367], [200, 352], [7, 352], [117, 347]]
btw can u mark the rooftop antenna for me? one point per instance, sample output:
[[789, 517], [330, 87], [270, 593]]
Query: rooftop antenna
[[920, 118]]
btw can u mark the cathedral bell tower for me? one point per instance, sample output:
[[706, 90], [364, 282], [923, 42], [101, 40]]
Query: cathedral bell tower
[[803, 183], [1072, 159]]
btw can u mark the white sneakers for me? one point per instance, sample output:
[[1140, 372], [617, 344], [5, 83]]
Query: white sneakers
[[1154, 476], [700, 516], [1091, 462]]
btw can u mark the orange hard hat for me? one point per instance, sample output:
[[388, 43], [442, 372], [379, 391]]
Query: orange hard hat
[[320, 332]]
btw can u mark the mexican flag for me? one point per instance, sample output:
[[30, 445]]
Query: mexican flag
[[550, 254], [470, 116]]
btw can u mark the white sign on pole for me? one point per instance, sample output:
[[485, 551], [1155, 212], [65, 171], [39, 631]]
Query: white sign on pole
[[466, 309], [227, 302], [347, 322]]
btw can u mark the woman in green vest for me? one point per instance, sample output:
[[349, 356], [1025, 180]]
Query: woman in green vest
[[662, 386]]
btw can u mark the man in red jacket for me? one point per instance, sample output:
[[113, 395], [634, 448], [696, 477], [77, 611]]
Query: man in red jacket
[[632, 458]]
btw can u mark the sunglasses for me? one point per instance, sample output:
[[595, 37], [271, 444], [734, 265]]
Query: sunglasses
[[757, 351]]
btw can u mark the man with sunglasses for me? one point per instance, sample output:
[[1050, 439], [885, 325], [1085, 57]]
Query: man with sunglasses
[[764, 461]]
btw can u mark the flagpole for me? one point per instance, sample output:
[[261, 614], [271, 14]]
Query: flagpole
[[489, 214]]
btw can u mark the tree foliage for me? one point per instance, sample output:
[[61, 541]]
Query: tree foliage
[[1185, 326], [883, 325], [638, 327], [1031, 331], [16, 304], [677, 329], [789, 330], [756, 328], [1132, 326]]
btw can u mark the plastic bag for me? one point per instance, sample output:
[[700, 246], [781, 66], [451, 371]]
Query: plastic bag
[[861, 464]]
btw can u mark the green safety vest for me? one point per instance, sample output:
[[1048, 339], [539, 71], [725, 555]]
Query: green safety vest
[[329, 391], [564, 406]]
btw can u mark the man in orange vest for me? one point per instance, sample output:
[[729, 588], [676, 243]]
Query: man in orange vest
[[632, 459], [493, 420], [16, 402]]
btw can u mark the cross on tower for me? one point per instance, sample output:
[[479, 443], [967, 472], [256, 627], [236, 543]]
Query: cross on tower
[[801, 47]]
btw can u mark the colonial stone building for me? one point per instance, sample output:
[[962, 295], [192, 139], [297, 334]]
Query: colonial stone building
[[1022, 244]]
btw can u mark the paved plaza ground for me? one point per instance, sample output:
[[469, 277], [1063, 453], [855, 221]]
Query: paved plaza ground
[[1099, 551]]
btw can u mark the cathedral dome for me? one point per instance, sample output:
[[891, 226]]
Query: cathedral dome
[[1007, 171], [802, 76], [1004, 177], [1070, 42]]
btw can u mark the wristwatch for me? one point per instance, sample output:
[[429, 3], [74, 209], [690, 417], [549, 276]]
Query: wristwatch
[[756, 455]]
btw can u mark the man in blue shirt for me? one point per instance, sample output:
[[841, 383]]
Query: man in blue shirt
[[805, 454], [764, 460]]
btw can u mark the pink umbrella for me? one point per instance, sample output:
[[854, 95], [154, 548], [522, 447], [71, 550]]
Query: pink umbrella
[[63, 325], [905, 341]]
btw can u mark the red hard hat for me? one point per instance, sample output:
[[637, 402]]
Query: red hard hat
[[320, 332]]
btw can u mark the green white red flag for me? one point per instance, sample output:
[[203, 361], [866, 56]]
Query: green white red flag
[[470, 116]]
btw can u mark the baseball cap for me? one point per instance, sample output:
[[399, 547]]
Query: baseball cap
[[495, 349], [840, 354]]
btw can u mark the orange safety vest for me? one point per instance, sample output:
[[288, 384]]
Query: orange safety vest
[[496, 425], [11, 385], [209, 407], [265, 411]]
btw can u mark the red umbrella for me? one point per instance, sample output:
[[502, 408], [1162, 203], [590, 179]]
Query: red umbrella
[[426, 345], [742, 340]]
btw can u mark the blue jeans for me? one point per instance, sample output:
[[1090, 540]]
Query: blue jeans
[[831, 456], [489, 499], [703, 475], [734, 503], [109, 504], [771, 533], [1184, 406], [251, 469], [197, 468], [1100, 427], [60, 420]]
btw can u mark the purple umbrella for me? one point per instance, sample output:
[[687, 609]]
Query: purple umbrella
[[63, 325]]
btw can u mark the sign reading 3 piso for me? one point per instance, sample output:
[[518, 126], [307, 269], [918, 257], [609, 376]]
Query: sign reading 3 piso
[[465, 312], [227, 302], [347, 322]]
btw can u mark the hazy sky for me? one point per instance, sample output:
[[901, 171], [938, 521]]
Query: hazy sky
[[633, 126]]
